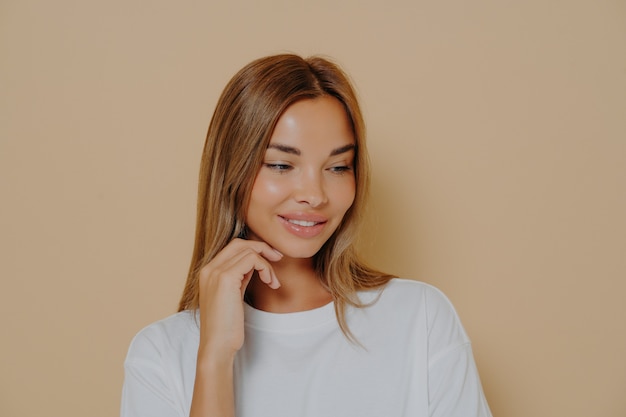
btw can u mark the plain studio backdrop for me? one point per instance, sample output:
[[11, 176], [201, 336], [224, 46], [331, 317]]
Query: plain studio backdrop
[[497, 131]]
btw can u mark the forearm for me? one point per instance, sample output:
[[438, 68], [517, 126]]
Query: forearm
[[222, 285], [213, 394]]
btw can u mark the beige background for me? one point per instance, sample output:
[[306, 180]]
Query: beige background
[[498, 139]]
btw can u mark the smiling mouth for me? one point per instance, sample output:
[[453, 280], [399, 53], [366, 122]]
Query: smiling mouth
[[302, 223], [304, 226]]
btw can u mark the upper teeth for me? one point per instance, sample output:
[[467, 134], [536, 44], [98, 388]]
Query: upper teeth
[[302, 222]]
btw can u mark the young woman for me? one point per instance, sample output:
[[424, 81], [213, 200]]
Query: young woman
[[279, 316]]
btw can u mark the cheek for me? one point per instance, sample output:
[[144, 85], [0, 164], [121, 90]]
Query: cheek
[[267, 190], [273, 188], [344, 195]]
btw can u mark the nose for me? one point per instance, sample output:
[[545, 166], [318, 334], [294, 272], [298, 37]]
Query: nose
[[311, 189]]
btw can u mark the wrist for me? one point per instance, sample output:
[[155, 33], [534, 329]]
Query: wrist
[[212, 359]]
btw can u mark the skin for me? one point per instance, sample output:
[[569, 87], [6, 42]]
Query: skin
[[307, 176]]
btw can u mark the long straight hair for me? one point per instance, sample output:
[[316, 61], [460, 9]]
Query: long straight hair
[[238, 136]]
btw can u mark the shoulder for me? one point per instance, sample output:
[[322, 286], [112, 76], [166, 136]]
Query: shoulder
[[417, 294], [418, 302], [164, 337], [160, 367], [411, 287]]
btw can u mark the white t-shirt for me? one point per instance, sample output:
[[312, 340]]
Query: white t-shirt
[[415, 360]]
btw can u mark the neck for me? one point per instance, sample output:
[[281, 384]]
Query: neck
[[300, 288]]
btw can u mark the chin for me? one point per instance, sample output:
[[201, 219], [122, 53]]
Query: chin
[[299, 251], [299, 254]]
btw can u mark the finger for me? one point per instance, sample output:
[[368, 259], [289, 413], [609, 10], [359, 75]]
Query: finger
[[259, 247], [245, 282], [268, 276], [264, 270], [248, 261], [241, 257], [235, 250]]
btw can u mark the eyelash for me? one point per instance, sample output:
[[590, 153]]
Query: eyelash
[[341, 169], [278, 167], [282, 168]]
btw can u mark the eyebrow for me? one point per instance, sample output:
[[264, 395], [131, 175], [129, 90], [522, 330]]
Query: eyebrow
[[296, 151]]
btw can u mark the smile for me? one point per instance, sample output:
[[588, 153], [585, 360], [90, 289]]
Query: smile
[[304, 226], [302, 223]]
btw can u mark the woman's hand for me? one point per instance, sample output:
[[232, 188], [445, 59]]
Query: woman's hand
[[222, 285]]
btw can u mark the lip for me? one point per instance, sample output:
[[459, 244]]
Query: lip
[[302, 230]]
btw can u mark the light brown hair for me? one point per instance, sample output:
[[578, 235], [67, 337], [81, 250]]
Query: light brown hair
[[238, 136]]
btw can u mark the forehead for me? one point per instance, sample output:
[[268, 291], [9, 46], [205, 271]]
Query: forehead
[[318, 122]]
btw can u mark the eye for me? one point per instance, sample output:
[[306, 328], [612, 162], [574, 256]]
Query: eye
[[340, 169], [278, 167]]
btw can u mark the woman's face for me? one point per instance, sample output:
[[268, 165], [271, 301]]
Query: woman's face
[[306, 183]]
